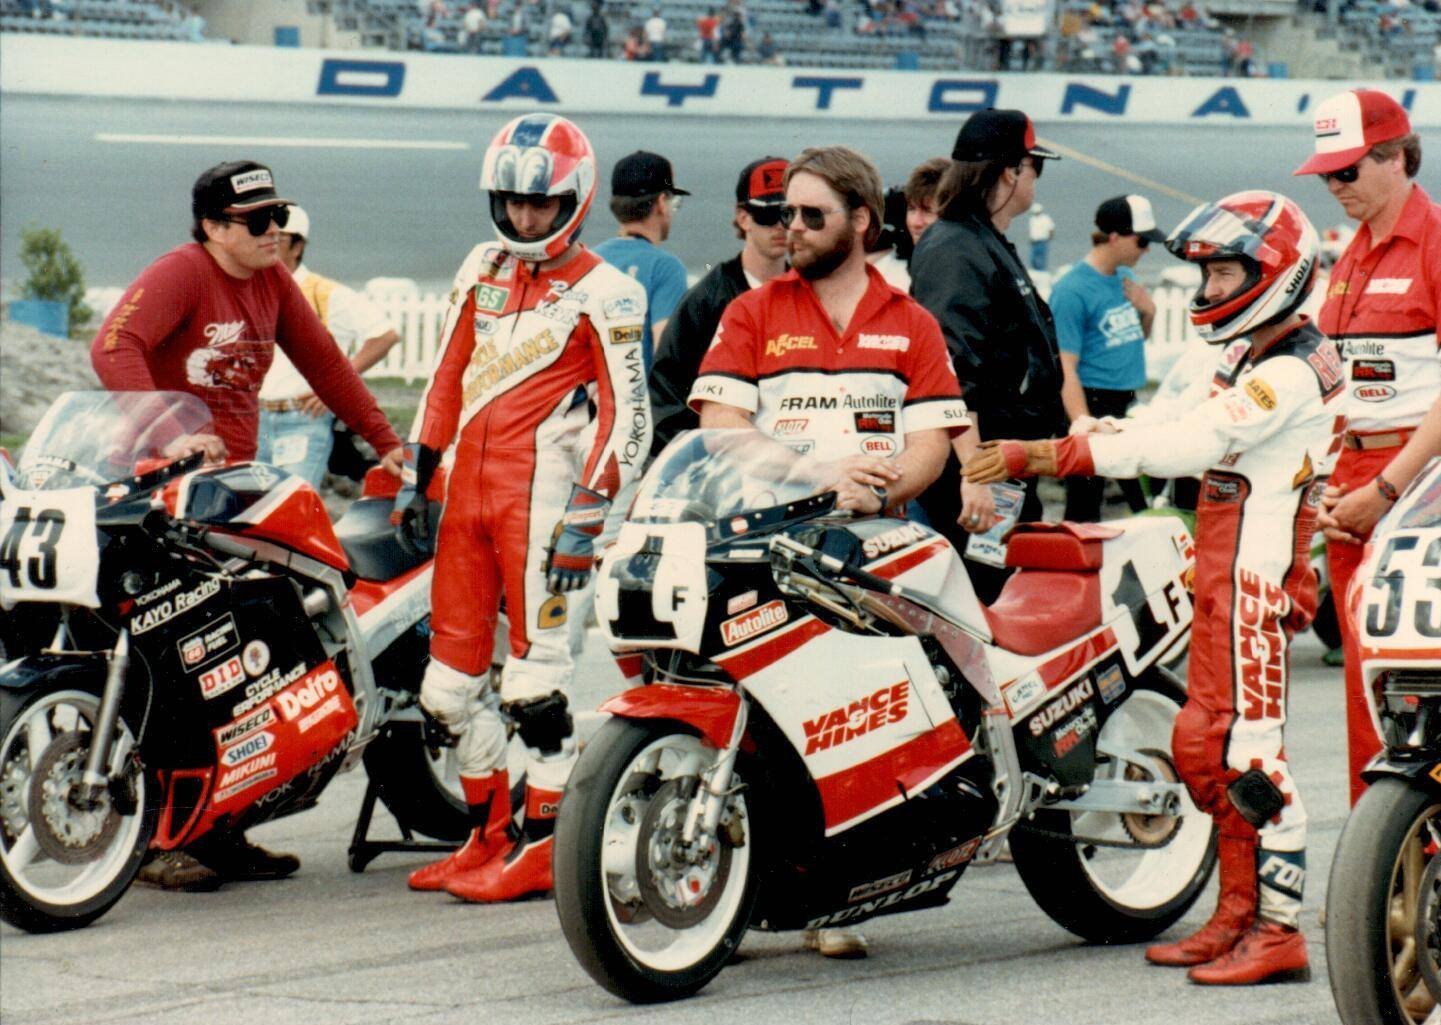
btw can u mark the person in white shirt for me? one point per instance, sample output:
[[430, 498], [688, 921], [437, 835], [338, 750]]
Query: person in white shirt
[[296, 429], [655, 35], [561, 27], [1041, 230]]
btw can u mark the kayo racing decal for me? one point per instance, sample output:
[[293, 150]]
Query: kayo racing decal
[[169, 608]]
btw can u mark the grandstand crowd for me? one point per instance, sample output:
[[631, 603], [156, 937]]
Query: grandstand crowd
[[1396, 38]]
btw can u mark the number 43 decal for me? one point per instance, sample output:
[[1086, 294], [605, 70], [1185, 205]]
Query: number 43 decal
[[45, 529]]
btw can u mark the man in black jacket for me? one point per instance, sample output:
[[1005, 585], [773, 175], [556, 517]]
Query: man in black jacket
[[999, 331], [760, 193]]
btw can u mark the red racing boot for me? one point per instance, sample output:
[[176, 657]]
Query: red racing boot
[[1269, 952], [526, 868], [489, 800], [1235, 910]]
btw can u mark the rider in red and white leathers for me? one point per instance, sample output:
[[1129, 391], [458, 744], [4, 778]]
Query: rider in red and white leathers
[[1264, 431], [541, 388]]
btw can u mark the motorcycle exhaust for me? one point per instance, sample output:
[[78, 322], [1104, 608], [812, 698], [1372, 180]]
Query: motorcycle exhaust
[[95, 782]]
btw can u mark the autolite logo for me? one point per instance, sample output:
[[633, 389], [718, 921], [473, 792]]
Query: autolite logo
[[308, 693], [757, 621], [842, 725]]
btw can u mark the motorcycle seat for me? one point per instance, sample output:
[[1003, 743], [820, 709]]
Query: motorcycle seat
[[1041, 609], [1058, 546], [368, 538]]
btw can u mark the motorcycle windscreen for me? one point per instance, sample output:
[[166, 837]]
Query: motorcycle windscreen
[[651, 591], [872, 733]]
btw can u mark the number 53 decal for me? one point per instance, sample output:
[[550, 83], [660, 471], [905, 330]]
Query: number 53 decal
[[48, 548], [1404, 595]]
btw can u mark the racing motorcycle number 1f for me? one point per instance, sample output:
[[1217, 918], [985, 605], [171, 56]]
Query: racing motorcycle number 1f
[[671, 559], [48, 549], [1404, 596]]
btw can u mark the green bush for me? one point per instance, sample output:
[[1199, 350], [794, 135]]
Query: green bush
[[55, 274]]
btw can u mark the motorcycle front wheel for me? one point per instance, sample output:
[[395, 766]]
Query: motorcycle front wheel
[[1112, 877], [649, 918], [1381, 939], [65, 861]]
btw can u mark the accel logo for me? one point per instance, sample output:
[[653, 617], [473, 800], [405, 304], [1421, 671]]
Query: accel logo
[[782, 344], [756, 621], [842, 725], [308, 693]]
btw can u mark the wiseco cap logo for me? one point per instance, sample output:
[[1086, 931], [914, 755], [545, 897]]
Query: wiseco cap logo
[[757, 621], [252, 180]]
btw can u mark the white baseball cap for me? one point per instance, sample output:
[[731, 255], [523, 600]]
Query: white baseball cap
[[1348, 125], [299, 223]]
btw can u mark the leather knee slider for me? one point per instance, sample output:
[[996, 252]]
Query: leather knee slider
[[1255, 797], [544, 723]]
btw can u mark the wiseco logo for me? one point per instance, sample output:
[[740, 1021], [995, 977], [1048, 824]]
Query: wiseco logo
[[844, 724], [756, 621], [308, 693]]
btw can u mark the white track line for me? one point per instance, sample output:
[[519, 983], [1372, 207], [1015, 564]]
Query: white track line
[[279, 140], [1120, 172]]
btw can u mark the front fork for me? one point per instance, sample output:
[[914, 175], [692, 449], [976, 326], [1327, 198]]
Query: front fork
[[706, 807], [95, 781]]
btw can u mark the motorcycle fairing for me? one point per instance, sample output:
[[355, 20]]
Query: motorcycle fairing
[[653, 585], [387, 609], [711, 710]]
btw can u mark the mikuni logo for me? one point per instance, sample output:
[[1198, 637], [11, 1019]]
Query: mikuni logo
[[247, 749], [308, 693], [757, 621]]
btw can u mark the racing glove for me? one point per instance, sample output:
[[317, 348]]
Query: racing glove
[[572, 548], [996, 460], [411, 515]]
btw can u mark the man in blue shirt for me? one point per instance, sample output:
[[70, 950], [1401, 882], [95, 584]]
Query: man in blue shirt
[[643, 199], [1103, 317]]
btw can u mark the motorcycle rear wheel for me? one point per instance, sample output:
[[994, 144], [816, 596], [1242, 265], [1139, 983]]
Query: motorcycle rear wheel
[[62, 867], [614, 870], [1116, 894], [1372, 947], [418, 784]]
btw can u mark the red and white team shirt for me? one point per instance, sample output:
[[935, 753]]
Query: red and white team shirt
[[777, 355], [1381, 311]]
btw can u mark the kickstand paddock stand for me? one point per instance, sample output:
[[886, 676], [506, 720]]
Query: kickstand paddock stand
[[364, 850]]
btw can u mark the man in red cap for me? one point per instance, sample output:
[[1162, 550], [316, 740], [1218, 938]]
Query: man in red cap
[[1381, 311]]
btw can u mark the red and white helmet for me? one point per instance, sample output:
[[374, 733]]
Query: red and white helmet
[[540, 155], [1271, 238]]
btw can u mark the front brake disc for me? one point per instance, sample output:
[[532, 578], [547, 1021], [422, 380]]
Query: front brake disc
[[65, 832]]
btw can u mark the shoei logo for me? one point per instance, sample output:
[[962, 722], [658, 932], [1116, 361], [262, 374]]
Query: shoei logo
[[757, 621], [247, 749]]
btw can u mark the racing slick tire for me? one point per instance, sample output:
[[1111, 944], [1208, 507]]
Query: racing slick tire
[[645, 925], [1376, 943], [62, 866], [417, 782], [1109, 892]]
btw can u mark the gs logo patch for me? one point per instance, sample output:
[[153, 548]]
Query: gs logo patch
[[491, 299]]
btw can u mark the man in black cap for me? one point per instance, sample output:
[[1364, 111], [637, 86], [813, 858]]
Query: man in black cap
[[760, 194], [998, 329], [1103, 318], [644, 198]]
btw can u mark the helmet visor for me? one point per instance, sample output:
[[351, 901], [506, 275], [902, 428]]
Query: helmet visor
[[1212, 232]]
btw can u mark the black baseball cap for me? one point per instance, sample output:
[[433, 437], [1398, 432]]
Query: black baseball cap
[[763, 182], [1129, 215], [643, 174], [993, 134], [236, 185]]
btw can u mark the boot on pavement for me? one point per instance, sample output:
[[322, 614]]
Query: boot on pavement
[[489, 800], [1269, 952], [177, 870], [525, 868], [842, 944], [1235, 910], [235, 859]]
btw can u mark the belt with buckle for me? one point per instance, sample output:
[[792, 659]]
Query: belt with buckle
[[1379, 439], [282, 405]]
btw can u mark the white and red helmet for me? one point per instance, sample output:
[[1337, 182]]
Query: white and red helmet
[[540, 155], [1271, 238]]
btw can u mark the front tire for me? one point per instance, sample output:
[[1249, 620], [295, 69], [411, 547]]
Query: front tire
[[1375, 945], [1122, 894], [645, 924], [62, 865]]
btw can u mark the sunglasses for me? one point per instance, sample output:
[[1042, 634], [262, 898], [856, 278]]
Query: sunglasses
[[1039, 163], [813, 217], [765, 216], [1345, 176], [257, 222]]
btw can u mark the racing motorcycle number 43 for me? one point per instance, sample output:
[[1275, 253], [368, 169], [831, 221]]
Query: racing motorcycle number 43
[[48, 550]]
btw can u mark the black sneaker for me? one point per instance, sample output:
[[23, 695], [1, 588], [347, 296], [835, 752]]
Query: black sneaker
[[177, 870], [235, 858]]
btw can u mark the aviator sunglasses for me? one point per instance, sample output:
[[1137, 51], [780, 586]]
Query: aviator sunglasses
[[257, 222], [813, 217], [1345, 176]]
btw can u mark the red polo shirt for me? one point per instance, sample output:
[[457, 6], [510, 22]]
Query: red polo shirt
[[777, 354], [1381, 310]]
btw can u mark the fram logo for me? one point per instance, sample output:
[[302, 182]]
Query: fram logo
[[846, 723], [757, 621]]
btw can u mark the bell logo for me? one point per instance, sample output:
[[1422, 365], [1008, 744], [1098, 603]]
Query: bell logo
[[310, 691]]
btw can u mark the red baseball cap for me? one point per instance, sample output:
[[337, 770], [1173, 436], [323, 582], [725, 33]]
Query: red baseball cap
[[1349, 124]]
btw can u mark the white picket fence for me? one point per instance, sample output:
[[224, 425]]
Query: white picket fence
[[418, 316]]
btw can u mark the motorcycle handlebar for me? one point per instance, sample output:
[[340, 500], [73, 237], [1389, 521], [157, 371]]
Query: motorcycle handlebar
[[840, 566]]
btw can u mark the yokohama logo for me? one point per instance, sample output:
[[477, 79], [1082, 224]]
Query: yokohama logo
[[757, 621]]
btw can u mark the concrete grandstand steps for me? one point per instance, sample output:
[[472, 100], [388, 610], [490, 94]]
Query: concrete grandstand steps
[[1307, 53]]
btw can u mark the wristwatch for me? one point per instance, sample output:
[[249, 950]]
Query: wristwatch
[[880, 493]]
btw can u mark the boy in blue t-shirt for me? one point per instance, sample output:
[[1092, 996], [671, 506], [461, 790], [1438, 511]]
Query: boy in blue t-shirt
[[644, 198], [1103, 317]]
